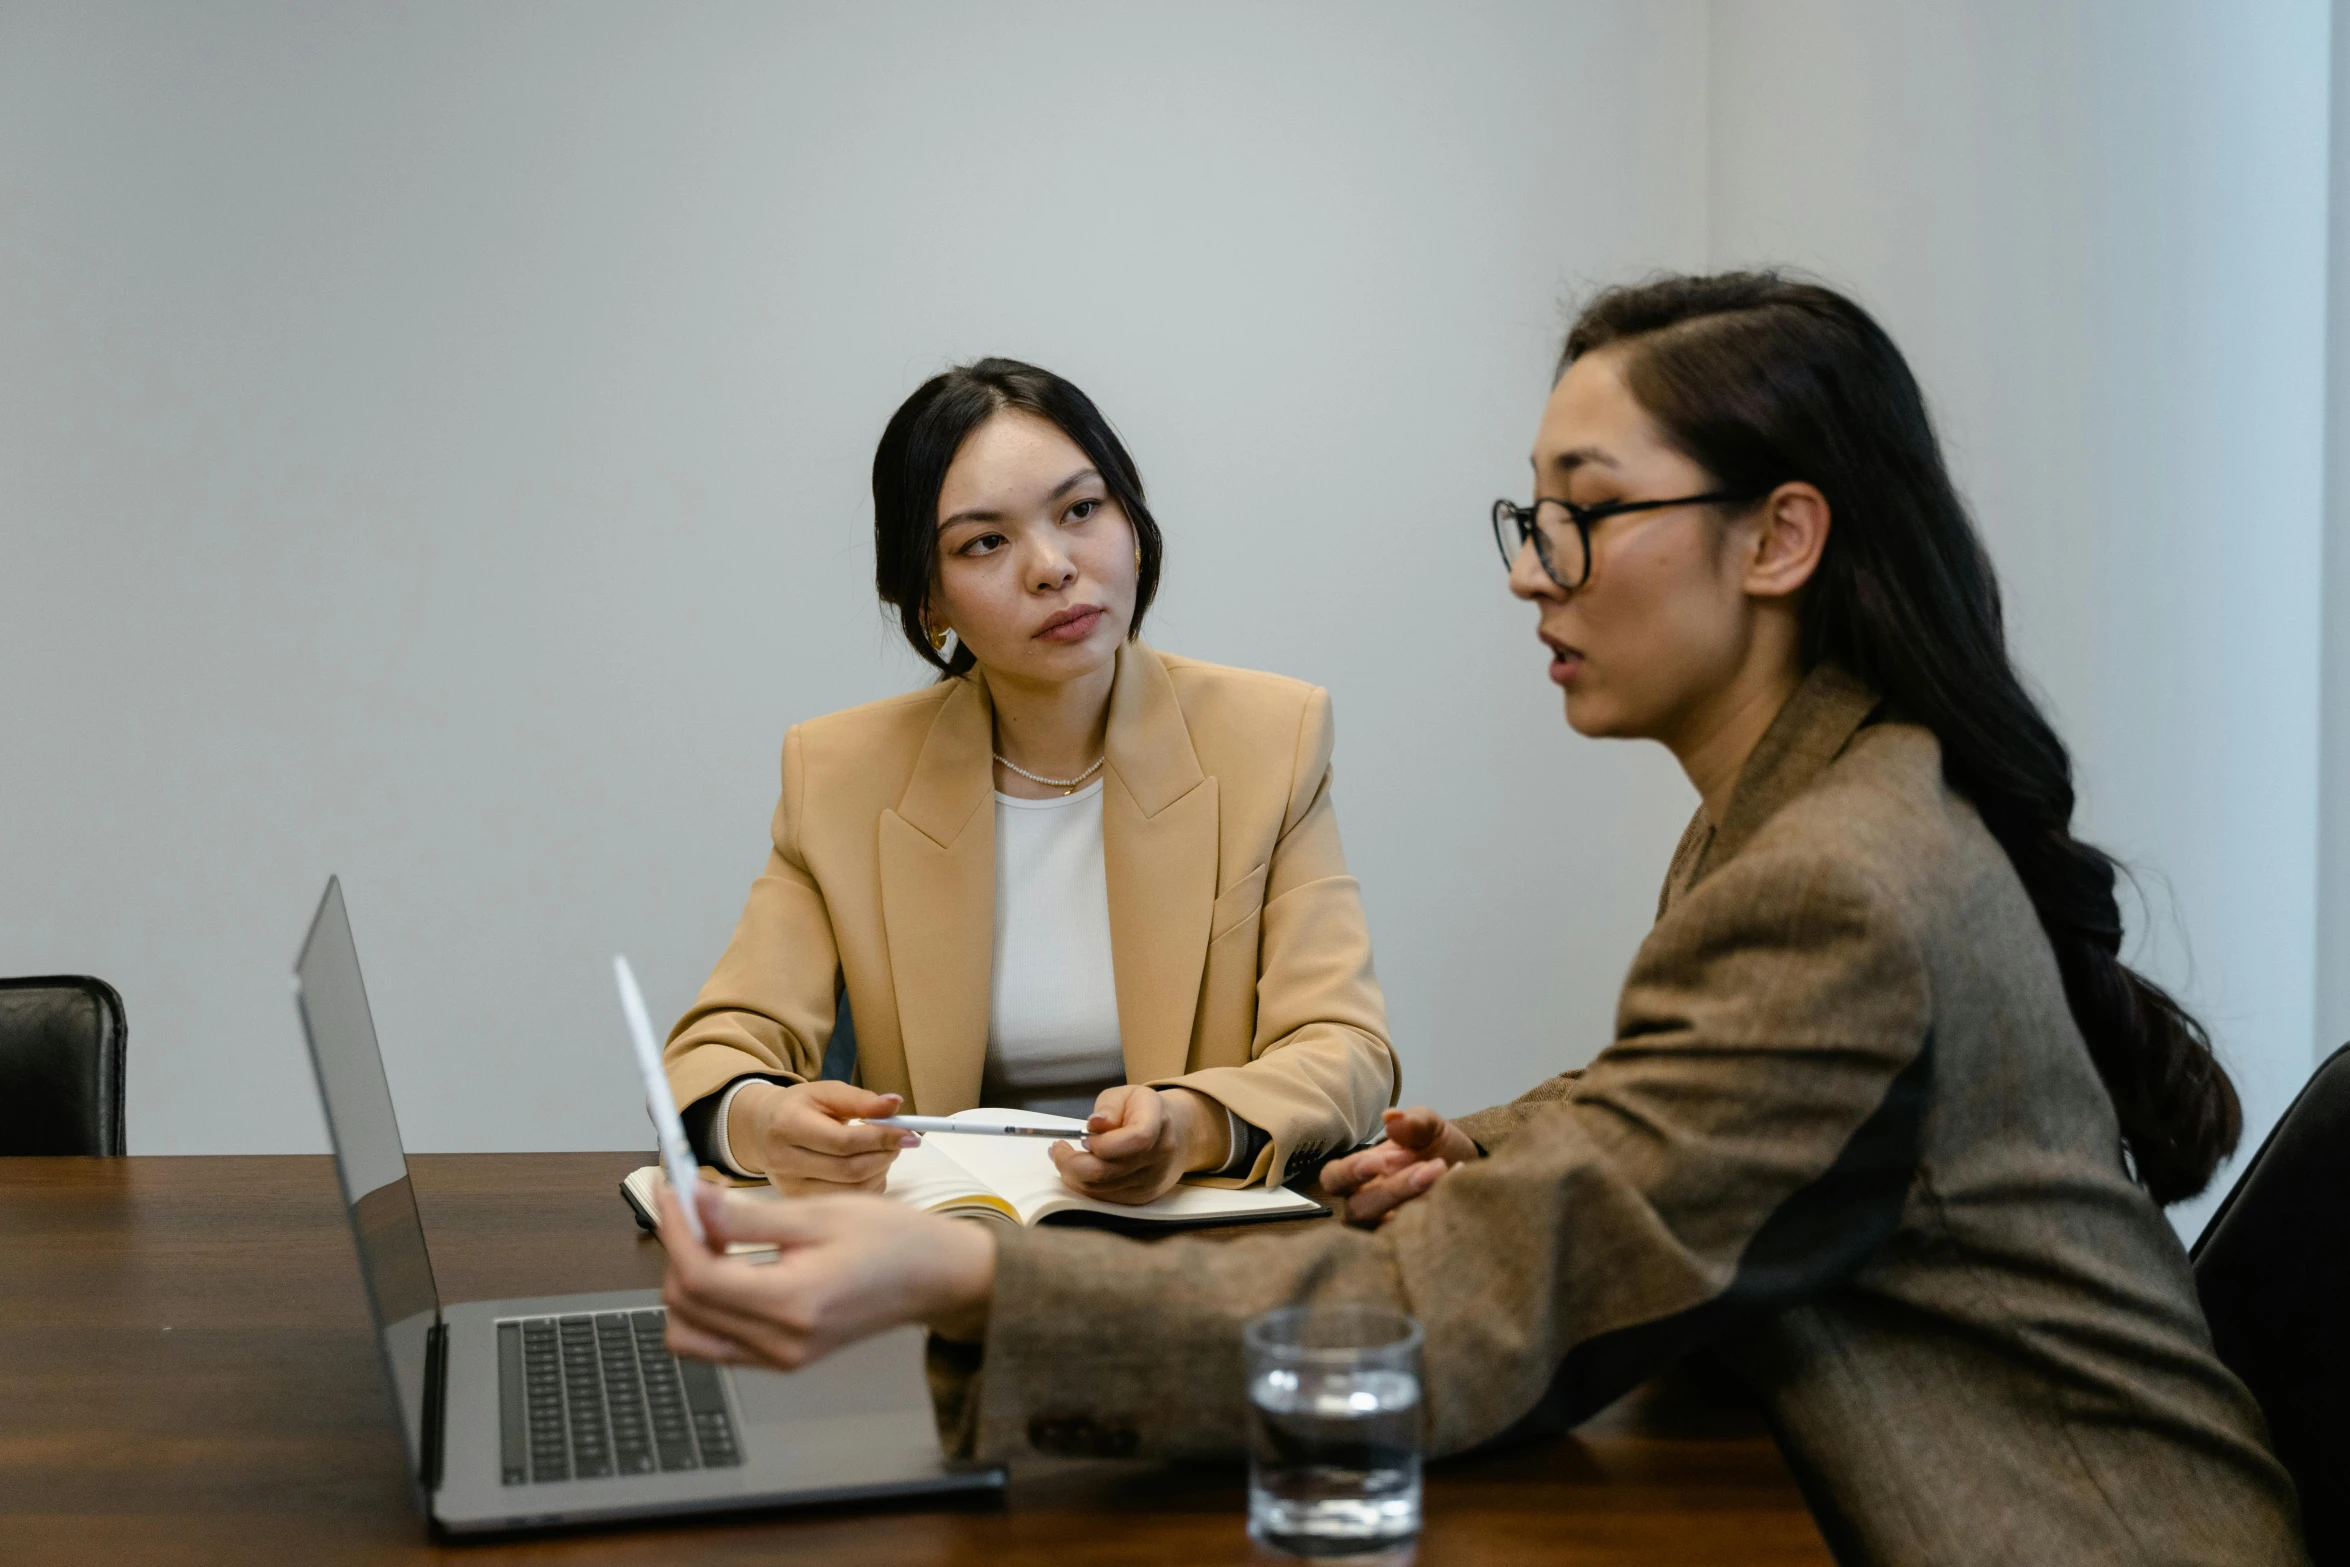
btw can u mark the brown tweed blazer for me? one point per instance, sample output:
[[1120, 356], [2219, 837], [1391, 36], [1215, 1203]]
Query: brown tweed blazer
[[1847, 1135]]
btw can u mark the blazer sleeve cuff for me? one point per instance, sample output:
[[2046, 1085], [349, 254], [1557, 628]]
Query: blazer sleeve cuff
[[722, 1151], [707, 1068], [1301, 1105], [1248, 1143]]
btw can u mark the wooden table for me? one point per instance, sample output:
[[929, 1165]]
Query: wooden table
[[186, 1375]]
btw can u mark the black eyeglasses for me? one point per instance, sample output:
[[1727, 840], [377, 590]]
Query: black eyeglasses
[[1566, 554]]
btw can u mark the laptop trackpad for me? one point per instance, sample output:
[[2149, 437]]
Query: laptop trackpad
[[881, 1375], [854, 1418]]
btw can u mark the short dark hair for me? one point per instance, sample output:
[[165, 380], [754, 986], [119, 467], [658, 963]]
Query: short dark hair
[[919, 444]]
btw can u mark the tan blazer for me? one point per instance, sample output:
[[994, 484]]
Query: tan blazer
[[1847, 1138], [1243, 961]]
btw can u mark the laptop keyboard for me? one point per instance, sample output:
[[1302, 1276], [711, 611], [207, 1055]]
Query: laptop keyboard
[[587, 1397]]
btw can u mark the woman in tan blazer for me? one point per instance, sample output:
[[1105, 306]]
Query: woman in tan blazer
[[1074, 874], [1885, 1127]]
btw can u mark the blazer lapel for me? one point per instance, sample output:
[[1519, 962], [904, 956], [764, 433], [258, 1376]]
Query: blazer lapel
[[1159, 837], [1823, 715], [938, 903]]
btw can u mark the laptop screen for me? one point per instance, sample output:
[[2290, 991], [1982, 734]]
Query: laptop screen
[[368, 1157]]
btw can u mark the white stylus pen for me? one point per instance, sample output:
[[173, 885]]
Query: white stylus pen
[[677, 1156], [941, 1123]]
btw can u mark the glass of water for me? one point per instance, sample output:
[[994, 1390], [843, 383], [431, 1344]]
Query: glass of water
[[1334, 1415]]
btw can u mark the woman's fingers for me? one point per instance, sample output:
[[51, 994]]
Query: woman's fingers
[[1105, 1183], [1079, 1168], [1089, 1177], [817, 1132], [814, 1117], [696, 1343], [845, 1100], [1090, 1169], [693, 1272], [1430, 1135], [1412, 1136], [796, 1164], [707, 1332], [1113, 1149], [1111, 1105], [1375, 1199], [710, 1198], [722, 1308], [676, 1238], [779, 1223], [845, 1268], [1341, 1176], [835, 1141], [1134, 1118], [819, 1186], [768, 1320], [1417, 1127], [1131, 1151]]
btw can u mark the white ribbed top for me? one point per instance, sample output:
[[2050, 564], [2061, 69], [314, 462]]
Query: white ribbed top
[[1052, 1017]]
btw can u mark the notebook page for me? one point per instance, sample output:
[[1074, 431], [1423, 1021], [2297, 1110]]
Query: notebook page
[[642, 1183], [1021, 1169], [1193, 1204], [923, 1177], [929, 1177]]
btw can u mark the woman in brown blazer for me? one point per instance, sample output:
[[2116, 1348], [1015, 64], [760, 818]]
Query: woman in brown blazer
[[1886, 1127], [1073, 875]]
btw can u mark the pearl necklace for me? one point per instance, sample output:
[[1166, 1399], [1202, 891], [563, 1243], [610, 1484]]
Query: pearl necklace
[[1065, 785]]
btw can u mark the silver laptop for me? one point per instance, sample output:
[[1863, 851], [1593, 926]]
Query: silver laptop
[[567, 1409]]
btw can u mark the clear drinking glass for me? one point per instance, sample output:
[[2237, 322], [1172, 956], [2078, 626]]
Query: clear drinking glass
[[1334, 1415]]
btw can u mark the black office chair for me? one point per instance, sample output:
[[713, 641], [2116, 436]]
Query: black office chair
[[61, 1066], [2273, 1268]]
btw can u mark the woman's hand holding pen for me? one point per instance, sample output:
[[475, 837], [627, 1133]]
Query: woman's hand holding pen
[[799, 1137], [1421, 1145], [845, 1268], [1140, 1141]]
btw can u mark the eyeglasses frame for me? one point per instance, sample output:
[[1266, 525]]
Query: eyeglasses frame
[[1525, 520]]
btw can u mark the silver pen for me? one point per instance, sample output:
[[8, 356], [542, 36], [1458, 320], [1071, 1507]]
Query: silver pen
[[941, 1123]]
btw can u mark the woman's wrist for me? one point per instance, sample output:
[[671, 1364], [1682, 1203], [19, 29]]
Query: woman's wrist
[[746, 1121], [965, 1288], [1203, 1131]]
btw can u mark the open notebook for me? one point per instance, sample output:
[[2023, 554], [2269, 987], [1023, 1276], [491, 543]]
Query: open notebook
[[1012, 1180]]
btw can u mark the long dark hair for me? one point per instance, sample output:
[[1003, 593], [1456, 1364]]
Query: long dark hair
[[919, 445], [1762, 379]]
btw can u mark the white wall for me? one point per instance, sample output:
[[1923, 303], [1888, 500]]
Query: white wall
[[2333, 952], [2099, 230], [433, 442], [432, 447]]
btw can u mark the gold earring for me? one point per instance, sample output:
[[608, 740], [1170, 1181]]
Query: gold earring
[[1138, 557], [938, 640]]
